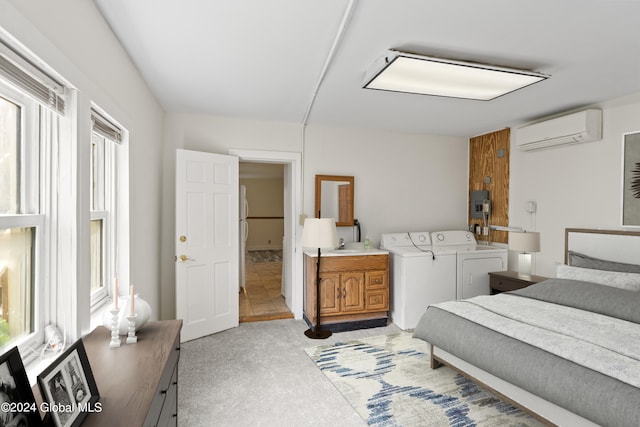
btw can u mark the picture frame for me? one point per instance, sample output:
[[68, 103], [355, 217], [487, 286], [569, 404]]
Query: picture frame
[[68, 388], [17, 403], [631, 180]]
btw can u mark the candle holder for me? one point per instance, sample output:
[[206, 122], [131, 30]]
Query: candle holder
[[115, 327], [142, 309], [131, 337]]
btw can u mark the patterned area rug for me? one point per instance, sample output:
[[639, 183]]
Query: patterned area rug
[[270, 255], [388, 381]]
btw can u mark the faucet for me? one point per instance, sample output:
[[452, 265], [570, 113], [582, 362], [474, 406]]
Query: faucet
[[341, 243]]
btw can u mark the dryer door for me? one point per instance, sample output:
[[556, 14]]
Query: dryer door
[[475, 275]]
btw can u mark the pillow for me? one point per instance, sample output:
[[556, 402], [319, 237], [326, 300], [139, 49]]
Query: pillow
[[615, 279], [576, 259]]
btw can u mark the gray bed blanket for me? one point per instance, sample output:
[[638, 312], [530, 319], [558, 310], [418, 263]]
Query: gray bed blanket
[[614, 302], [605, 344], [584, 391]]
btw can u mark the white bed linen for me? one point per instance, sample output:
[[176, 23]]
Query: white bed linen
[[605, 344]]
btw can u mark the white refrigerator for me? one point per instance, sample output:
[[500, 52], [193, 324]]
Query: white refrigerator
[[244, 233]]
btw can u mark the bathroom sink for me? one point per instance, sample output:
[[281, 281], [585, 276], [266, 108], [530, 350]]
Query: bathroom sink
[[354, 251], [354, 246]]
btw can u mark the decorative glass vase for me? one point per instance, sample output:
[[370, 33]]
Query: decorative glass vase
[[142, 310]]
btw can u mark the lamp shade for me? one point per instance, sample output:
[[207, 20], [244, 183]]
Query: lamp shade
[[319, 233], [524, 241]]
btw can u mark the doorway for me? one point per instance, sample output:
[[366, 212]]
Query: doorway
[[292, 264], [262, 193]]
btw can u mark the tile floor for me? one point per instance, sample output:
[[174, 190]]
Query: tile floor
[[262, 299]]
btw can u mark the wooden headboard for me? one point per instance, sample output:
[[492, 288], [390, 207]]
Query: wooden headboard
[[612, 245]]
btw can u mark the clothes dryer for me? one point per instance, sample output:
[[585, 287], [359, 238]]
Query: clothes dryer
[[474, 261], [420, 275]]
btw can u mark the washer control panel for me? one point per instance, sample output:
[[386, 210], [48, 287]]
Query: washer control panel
[[396, 240], [455, 237]]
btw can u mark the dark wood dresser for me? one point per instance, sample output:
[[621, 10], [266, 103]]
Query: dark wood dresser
[[138, 383], [505, 281]]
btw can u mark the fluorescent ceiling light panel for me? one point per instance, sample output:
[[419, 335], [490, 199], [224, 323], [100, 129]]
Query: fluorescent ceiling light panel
[[424, 75]]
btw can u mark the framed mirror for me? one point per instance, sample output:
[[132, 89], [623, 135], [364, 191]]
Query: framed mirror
[[334, 198]]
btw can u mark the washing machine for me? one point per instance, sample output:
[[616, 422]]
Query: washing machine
[[420, 275], [474, 261]]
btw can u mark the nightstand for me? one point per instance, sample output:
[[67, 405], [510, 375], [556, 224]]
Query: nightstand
[[504, 281]]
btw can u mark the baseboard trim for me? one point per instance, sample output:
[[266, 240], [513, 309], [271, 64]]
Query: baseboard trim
[[266, 317], [264, 248], [351, 325]]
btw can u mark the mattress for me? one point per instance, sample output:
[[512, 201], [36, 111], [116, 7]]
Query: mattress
[[591, 392]]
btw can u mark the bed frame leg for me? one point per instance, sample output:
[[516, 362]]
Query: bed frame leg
[[435, 363]]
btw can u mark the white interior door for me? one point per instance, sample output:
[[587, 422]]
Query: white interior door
[[207, 242]]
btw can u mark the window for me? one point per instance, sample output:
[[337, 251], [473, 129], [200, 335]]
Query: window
[[21, 222], [104, 139], [57, 249], [32, 124], [10, 119]]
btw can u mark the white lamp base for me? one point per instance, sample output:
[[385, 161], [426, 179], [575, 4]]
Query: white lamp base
[[524, 265]]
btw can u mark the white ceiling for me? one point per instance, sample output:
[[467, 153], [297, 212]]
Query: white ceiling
[[263, 60]]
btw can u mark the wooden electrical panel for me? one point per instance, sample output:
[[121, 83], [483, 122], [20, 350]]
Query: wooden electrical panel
[[489, 170]]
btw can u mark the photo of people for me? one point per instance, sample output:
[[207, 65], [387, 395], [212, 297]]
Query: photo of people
[[66, 387], [8, 394], [59, 391]]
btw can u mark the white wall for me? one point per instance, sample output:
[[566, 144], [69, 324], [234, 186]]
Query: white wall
[[72, 37], [266, 212], [574, 186], [402, 181]]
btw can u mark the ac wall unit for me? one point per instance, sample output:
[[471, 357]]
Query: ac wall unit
[[575, 128]]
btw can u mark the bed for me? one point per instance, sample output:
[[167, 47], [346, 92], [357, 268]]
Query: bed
[[566, 350]]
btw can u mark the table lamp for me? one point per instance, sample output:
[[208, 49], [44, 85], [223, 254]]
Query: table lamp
[[525, 243], [319, 233]]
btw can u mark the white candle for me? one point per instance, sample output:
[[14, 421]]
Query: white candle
[[133, 311], [115, 293]]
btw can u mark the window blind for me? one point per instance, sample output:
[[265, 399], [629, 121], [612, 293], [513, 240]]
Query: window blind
[[24, 74], [105, 127]]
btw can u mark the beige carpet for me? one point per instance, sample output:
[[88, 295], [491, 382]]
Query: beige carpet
[[259, 375]]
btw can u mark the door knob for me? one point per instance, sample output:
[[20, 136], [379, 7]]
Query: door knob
[[184, 258]]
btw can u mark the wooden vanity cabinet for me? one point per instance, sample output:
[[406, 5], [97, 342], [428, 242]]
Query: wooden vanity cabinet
[[341, 293], [354, 291], [377, 290]]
